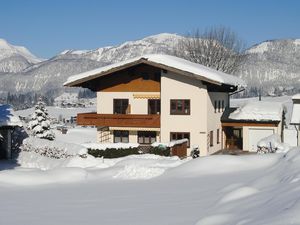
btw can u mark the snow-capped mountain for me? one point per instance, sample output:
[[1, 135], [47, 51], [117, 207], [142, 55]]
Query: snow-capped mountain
[[15, 58], [272, 65], [51, 74]]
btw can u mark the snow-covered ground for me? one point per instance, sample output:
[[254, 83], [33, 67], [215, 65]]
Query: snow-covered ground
[[256, 189]]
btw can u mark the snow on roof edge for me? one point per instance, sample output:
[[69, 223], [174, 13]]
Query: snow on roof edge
[[166, 60]]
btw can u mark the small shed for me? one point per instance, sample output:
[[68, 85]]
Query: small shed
[[8, 123]]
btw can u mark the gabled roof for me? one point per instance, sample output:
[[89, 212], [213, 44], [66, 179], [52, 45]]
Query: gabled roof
[[167, 62], [7, 117]]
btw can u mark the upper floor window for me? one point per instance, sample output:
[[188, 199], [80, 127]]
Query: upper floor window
[[223, 106], [219, 106], [216, 106], [180, 107], [121, 106], [154, 106]]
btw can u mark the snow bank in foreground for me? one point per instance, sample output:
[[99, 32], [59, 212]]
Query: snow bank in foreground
[[132, 167]]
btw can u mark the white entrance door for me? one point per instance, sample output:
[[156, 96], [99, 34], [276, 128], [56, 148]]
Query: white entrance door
[[255, 135]]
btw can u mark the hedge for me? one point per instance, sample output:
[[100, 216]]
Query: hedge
[[117, 153], [113, 152]]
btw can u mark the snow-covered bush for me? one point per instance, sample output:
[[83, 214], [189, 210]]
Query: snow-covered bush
[[39, 123], [53, 149], [113, 152], [162, 151], [271, 144]]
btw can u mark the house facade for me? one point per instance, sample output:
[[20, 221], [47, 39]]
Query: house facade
[[158, 98]]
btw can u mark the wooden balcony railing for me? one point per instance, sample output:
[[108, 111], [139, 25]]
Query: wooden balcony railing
[[118, 120]]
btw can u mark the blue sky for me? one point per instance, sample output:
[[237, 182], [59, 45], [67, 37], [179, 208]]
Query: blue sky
[[47, 27]]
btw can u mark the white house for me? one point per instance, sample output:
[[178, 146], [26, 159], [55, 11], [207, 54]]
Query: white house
[[158, 98]]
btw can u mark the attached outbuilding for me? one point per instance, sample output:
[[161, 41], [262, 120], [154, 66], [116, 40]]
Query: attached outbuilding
[[8, 123], [245, 126]]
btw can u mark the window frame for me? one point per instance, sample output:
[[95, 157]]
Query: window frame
[[184, 103], [218, 136], [121, 136], [181, 133], [216, 104], [223, 105], [122, 105], [143, 137], [157, 106], [211, 138]]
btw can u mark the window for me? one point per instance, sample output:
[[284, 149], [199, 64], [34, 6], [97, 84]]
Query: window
[[215, 106], [218, 136], [211, 138], [180, 107], [146, 137], [179, 136], [219, 106], [120, 106], [121, 136], [153, 106], [223, 106]]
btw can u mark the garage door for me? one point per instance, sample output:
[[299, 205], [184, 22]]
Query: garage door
[[255, 135]]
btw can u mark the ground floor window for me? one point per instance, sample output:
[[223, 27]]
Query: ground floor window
[[121, 136], [146, 137], [180, 135], [211, 138]]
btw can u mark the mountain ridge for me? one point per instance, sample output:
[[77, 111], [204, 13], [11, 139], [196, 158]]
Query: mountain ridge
[[273, 65]]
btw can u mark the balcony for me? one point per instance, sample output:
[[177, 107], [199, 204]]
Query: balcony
[[118, 120]]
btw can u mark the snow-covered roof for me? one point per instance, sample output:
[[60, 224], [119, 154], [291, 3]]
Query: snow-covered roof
[[296, 97], [163, 61], [258, 111], [296, 114], [7, 117]]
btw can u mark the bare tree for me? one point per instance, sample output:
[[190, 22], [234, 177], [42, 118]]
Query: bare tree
[[217, 47]]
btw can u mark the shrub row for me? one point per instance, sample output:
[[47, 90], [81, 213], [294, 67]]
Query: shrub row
[[113, 152], [116, 153]]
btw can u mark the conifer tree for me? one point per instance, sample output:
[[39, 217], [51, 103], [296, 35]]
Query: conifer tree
[[40, 122]]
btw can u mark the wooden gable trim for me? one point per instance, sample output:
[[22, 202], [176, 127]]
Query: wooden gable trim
[[81, 82]]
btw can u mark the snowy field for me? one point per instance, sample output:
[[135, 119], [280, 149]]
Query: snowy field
[[56, 112], [256, 189]]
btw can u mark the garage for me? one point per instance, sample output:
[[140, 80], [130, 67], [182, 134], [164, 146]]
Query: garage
[[255, 135]]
